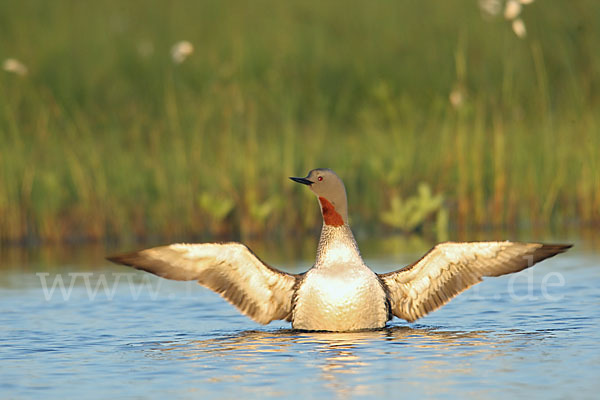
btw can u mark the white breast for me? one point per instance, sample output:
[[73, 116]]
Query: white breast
[[340, 298]]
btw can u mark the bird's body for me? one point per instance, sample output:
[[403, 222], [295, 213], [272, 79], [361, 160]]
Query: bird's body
[[340, 292]]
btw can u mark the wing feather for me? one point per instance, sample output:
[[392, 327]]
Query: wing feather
[[450, 268], [231, 269]]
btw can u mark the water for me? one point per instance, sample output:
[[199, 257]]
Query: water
[[533, 336]]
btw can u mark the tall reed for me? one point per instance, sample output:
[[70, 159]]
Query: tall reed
[[107, 137]]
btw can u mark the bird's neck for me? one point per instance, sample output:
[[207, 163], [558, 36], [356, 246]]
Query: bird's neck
[[336, 246], [331, 215]]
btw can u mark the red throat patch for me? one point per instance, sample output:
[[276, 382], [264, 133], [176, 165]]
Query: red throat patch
[[330, 216]]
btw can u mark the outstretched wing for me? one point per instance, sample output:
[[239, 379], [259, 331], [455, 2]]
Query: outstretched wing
[[449, 268], [230, 269]]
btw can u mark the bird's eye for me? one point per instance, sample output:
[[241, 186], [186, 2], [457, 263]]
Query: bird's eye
[[320, 178]]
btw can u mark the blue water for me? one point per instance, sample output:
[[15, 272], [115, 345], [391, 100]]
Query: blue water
[[533, 336]]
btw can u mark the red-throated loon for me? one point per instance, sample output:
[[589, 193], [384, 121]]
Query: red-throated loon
[[339, 293]]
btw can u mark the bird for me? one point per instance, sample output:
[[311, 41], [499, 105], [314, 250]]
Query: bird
[[339, 292]]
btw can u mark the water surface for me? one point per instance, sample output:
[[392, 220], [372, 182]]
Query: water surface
[[112, 333]]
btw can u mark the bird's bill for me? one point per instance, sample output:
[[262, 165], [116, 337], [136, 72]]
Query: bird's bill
[[303, 181]]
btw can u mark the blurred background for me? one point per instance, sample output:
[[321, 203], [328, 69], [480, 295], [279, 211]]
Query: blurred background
[[126, 124], [137, 120]]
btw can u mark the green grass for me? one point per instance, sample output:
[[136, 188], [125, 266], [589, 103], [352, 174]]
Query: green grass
[[107, 138]]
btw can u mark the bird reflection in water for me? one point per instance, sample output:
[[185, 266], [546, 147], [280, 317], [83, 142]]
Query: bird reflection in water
[[338, 358]]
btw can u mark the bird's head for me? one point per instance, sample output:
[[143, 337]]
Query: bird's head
[[331, 192]]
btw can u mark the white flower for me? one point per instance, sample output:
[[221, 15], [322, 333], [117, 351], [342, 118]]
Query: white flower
[[512, 9], [457, 98], [490, 7], [518, 27], [181, 50], [15, 66]]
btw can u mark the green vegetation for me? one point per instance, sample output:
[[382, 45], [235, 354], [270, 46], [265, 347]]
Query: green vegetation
[[107, 137]]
